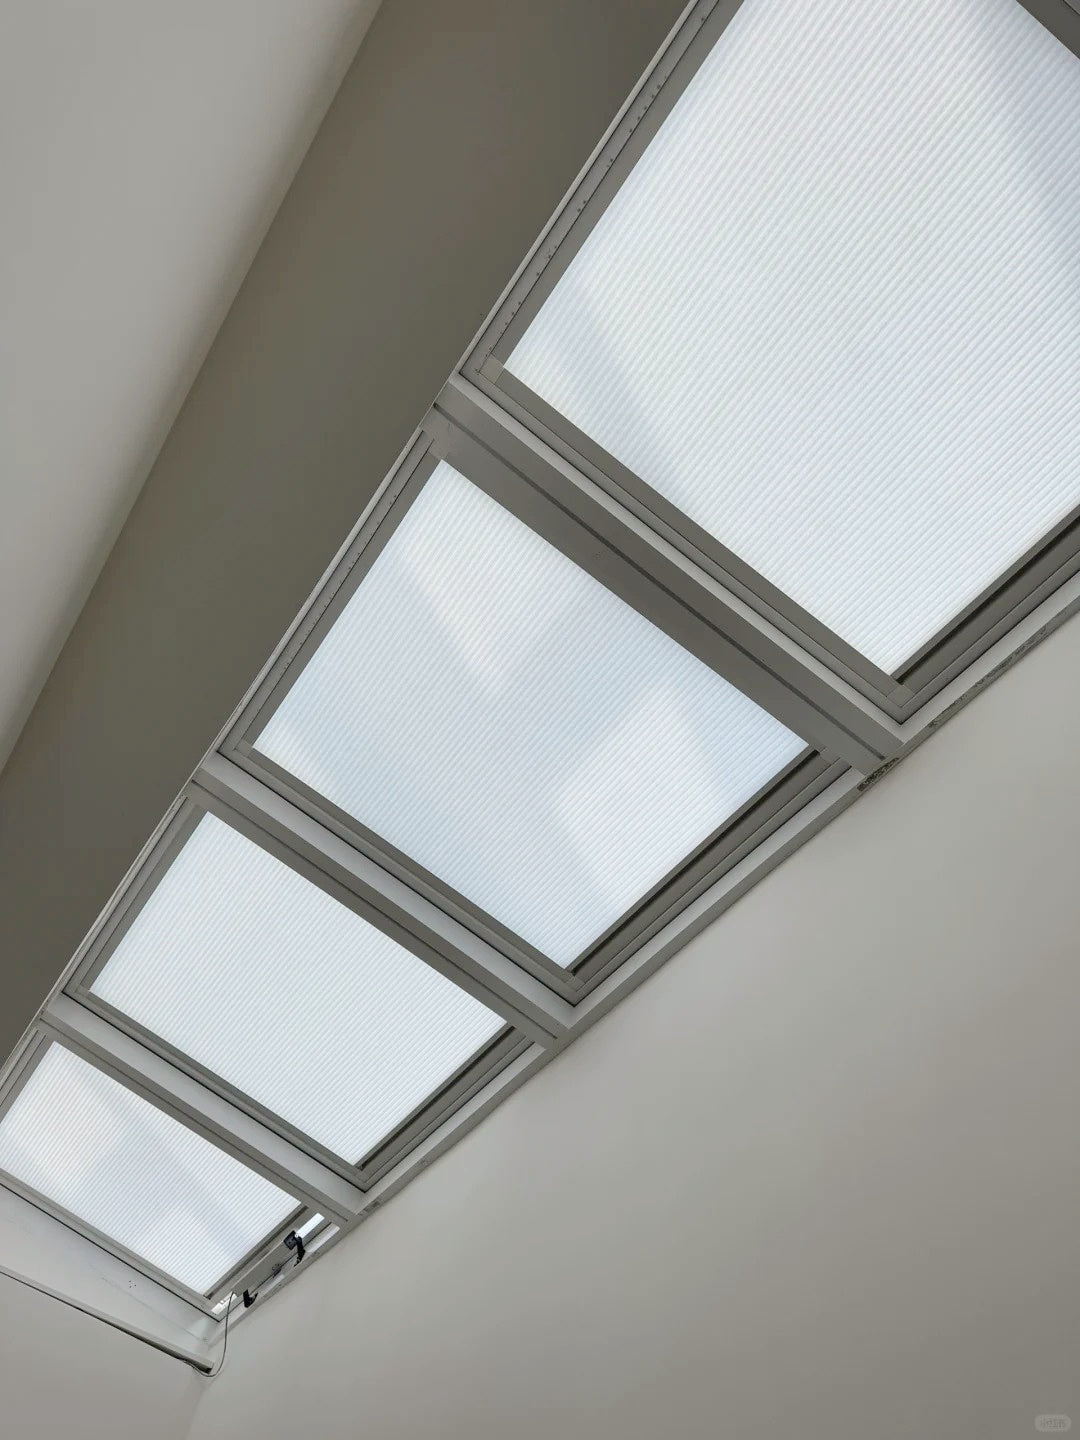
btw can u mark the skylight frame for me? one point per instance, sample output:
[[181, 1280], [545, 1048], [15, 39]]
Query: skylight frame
[[1002, 604], [38, 1041], [458, 1088], [506, 436], [767, 831], [555, 504]]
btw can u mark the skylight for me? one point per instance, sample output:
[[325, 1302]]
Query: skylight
[[500, 717], [821, 345], [246, 967], [116, 1162], [833, 316]]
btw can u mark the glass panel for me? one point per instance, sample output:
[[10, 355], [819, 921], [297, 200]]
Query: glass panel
[[833, 315], [261, 977], [118, 1163], [498, 715]]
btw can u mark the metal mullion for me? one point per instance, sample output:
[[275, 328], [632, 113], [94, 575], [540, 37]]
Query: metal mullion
[[242, 749], [705, 549], [629, 558], [400, 864], [292, 1167], [382, 898], [207, 1078]]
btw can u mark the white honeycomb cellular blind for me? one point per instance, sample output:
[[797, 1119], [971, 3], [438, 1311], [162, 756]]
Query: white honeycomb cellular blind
[[252, 971], [496, 714], [117, 1163], [833, 314]]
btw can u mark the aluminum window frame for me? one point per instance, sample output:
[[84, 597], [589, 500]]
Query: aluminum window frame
[[1001, 604], [469, 1077], [555, 501], [40, 1039]]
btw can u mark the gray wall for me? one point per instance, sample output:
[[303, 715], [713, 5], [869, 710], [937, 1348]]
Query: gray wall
[[817, 1178], [454, 135]]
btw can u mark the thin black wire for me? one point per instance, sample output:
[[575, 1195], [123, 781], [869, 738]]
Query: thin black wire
[[123, 1329]]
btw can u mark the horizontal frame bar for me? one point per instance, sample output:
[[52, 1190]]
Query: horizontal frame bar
[[358, 881], [535, 483], [409, 871], [705, 550], [202, 1109]]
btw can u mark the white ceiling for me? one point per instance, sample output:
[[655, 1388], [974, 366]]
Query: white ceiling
[[145, 148]]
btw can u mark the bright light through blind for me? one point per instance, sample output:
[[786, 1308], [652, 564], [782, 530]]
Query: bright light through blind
[[119, 1164], [833, 315], [491, 710], [261, 977]]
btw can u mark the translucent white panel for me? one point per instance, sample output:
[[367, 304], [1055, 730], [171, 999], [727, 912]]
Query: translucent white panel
[[833, 315], [248, 968], [116, 1162], [494, 712]]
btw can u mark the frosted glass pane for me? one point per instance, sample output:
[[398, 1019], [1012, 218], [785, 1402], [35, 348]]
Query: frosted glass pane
[[248, 968], [116, 1162], [833, 314], [498, 715]]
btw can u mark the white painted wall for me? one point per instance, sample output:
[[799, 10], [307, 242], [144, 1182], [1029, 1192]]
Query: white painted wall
[[64, 1376], [819, 1177]]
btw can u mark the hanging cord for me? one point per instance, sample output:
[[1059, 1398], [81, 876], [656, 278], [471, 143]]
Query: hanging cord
[[212, 1374], [162, 1345]]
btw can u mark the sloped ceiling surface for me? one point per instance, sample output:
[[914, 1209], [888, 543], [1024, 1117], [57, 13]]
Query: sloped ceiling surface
[[144, 149]]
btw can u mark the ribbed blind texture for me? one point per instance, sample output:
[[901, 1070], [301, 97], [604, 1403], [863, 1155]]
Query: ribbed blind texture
[[116, 1162], [261, 977], [833, 315], [494, 712]]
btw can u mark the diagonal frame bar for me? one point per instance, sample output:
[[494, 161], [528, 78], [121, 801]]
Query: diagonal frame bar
[[228, 1126], [590, 526], [464, 956]]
